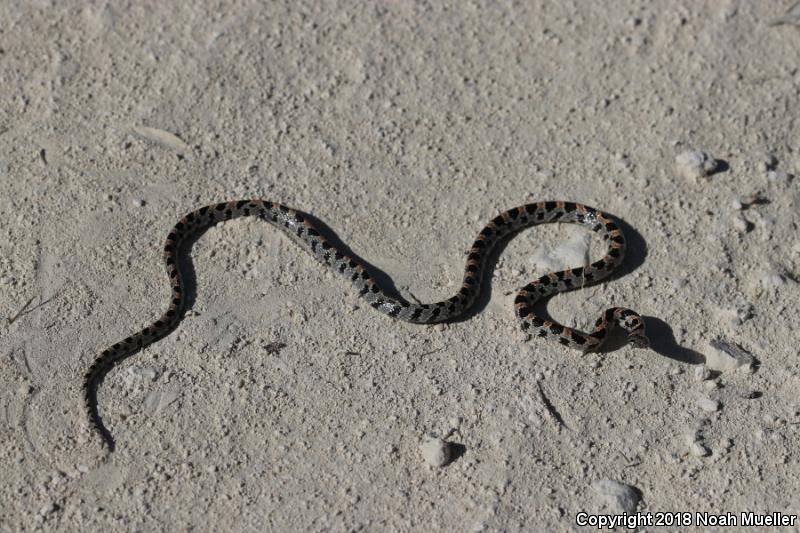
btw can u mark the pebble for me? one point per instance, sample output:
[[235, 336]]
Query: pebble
[[693, 165], [766, 162], [701, 373], [779, 177], [697, 449], [435, 451], [722, 356], [749, 200], [144, 372], [773, 277], [694, 440], [708, 405], [48, 508], [618, 497], [744, 312]]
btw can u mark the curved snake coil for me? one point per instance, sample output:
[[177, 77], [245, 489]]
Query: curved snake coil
[[299, 226]]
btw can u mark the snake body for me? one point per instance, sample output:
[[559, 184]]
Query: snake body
[[301, 228]]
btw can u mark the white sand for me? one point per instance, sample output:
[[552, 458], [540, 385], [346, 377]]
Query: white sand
[[405, 127]]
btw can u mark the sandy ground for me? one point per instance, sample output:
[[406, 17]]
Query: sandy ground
[[405, 127]]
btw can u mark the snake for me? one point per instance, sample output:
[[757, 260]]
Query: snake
[[302, 229]]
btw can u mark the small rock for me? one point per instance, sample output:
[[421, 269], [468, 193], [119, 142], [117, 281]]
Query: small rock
[[754, 198], [744, 312], [618, 497], [701, 373], [741, 224], [693, 165], [779, 177], [48, 508], [766, 162], [138, 203], [435, 451], [773, 277], [708, 405], [725, 445], [697, 449], [722, 356], [144, 372]]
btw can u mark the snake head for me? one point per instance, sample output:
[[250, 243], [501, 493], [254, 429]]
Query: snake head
[[634, 325]]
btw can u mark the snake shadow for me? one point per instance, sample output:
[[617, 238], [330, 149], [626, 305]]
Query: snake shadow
[[662, 341]]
